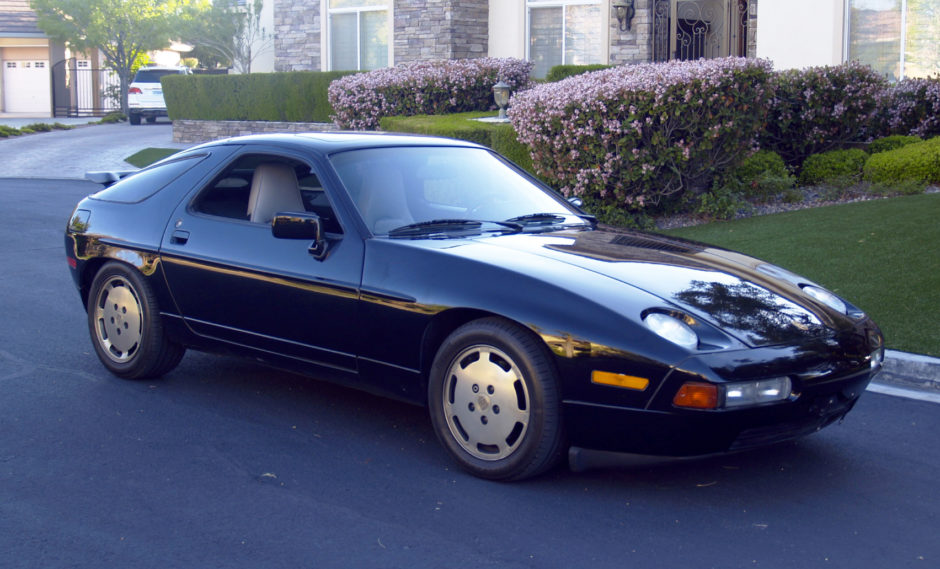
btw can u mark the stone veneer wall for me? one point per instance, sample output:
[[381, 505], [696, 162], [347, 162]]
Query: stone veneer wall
[[440, 29], [297, 29], [195, 132], [450, 29], [636, 44], [752, 28]]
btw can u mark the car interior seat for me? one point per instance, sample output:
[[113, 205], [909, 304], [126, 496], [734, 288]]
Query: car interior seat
[[274, 189], [382, 200]]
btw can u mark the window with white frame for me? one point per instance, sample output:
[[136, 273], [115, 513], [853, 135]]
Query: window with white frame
[[564, 32], [898, 38], [359, 34]]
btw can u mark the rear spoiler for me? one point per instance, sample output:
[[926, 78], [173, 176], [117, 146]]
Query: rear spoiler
[[106, 178]]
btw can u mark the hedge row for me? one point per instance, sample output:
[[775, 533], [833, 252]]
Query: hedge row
[[918, 162], [294, 96], [423, 88], [641, 135], [501, 137], [822, 108]]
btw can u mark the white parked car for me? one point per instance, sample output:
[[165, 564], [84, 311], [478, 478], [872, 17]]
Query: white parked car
[[145, 95]]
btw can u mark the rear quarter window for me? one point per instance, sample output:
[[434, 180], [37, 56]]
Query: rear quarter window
[[145, 183]]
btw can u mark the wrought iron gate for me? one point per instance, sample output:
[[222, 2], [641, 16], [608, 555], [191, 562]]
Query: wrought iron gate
[[80, 90], [696, 29]]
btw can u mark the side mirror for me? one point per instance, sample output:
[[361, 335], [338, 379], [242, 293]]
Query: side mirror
[[301, 226], [576, 201]]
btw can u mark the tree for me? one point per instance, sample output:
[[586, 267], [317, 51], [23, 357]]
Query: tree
[[123, 30], [229, 30]]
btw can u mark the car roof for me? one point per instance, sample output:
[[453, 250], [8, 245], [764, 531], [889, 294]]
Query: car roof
[[330, 142]]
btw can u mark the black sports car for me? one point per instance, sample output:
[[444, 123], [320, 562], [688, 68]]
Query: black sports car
[[436, 272]]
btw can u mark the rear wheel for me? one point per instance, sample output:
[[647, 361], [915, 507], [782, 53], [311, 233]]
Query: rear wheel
[[125, 326], [133, 118], [151, 120], [493, 399]]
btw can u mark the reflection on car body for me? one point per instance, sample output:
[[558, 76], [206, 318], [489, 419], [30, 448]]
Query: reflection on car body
[[435, 272]]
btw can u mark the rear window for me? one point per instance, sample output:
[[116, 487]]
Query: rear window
[[153, 75], [141, 185]]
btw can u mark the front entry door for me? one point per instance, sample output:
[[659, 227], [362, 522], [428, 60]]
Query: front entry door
[[699, 29]]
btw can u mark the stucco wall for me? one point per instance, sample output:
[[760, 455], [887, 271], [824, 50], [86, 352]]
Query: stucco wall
[[801, 33]]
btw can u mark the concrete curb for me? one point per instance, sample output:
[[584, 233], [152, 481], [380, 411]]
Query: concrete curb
[[910, 371]]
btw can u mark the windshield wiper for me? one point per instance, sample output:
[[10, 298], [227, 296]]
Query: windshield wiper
[[445, 225], [550, 218]]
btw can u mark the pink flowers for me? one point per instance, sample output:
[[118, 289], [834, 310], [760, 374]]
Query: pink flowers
[[423, 87], [637, 135]]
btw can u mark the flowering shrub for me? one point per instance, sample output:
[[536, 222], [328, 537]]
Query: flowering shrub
[[911, 107], [636, 135], [822, 108], [423, 88]]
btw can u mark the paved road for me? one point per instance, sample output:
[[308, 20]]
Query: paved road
[[71, 153], [224, 463]]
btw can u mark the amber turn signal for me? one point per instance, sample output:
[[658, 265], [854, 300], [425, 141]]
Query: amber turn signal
[[697, 396], [620, 380]]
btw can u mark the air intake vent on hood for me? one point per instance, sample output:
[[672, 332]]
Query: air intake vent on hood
[[651, 243]]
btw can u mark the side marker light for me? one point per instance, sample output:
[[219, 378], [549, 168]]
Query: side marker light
[[620, 380]]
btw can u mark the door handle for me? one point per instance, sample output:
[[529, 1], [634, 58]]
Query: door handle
[[179, 237]]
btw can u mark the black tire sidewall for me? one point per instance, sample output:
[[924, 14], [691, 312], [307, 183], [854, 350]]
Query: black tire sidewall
[[543, 434]]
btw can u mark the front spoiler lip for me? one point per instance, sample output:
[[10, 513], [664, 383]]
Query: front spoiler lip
[[584, 459]]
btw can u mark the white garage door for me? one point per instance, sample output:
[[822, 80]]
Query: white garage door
[[26, 87]]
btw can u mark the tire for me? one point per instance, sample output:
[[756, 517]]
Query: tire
[[133, 118], [125, 326], [151, 120], [494, 401]]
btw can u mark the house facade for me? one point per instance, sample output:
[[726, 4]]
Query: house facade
[[42, 78], [25, 59], [897, 37]]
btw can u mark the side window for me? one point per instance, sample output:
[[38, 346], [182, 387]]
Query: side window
[[234, 193]]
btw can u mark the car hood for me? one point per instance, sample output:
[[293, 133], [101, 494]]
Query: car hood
[[756, 302]]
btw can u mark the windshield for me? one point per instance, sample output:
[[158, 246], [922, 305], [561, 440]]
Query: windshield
[[401, 186]]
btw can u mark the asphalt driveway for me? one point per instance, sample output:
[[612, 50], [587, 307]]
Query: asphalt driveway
[[70, 153]]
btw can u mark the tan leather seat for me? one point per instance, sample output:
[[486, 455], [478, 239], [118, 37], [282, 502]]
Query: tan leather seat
[[382, 201], [273, 189]]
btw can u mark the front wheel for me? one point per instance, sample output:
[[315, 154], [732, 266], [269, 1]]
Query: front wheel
[[125, 326], [494, 403]]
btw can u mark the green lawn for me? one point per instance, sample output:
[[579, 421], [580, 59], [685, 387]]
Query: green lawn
[[883, 256], [148, 156]]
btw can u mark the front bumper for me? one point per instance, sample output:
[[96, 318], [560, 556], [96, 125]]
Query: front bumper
[[826, 383]]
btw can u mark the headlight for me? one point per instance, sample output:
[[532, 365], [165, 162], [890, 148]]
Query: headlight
[[826, 297], [700, 395], [672, 329], [746, 393]]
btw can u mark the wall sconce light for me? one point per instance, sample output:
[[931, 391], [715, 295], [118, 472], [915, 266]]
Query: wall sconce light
[[625, 12], [501, 96]]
